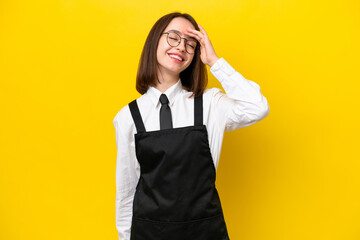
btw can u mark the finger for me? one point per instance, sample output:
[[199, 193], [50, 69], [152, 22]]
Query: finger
[[200, 40], [202, 29], [195, 36], [194, 30], [194, 33]]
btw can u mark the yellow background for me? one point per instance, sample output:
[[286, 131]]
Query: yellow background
[[67, 67]]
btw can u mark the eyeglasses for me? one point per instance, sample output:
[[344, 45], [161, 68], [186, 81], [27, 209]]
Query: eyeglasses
[[174, 39]]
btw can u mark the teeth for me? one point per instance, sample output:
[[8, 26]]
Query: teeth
[[177, 57]]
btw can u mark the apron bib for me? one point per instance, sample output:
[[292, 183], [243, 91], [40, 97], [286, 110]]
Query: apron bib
[[176, 197]]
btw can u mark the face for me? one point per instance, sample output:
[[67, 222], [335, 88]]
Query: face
[[167, 63]]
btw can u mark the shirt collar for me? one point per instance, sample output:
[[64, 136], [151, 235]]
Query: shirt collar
[[171, 93]]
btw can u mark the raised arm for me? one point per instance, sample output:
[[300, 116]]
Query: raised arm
[[243, 104]]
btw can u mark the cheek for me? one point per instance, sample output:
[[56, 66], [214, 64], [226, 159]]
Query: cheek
[[164, 46], [161, 51], [190, 61], [160, 48]]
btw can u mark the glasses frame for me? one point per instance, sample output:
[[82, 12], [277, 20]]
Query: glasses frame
[[186, 40]]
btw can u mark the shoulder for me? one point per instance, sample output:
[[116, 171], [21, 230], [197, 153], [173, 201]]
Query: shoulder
[[211, 93], [211, 96], [123, 117], [124, 113], [208, 95]]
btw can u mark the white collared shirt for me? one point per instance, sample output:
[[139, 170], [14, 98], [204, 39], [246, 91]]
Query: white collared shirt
[[241, 106]]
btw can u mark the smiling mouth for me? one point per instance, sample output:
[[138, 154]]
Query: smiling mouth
[[175, 58]]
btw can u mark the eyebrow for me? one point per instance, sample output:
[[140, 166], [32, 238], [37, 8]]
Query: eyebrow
[[176, 31]]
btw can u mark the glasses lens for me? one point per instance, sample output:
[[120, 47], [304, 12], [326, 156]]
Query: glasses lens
[[173, 39], [190, 46]]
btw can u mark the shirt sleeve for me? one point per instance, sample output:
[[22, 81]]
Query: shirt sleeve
[[126, 176], [243, 104]]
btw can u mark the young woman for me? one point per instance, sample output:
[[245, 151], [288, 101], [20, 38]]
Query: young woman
[[169, 139]]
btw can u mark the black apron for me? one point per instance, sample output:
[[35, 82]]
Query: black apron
[[175, 197]]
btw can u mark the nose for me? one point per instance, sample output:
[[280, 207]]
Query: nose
[[182, 45]]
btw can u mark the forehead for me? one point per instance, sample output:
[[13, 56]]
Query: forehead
[[179, 25]]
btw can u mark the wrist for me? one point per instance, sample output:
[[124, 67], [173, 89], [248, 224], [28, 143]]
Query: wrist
[[213, 61]]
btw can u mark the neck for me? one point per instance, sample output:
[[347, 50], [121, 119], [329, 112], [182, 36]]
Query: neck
[[166, 81]]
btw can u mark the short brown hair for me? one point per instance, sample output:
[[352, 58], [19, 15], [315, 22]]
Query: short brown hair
[[194, 78]]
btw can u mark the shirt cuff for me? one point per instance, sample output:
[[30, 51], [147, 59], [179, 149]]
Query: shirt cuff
[[221, 66]]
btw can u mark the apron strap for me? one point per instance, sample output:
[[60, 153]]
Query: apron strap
[[135, 113], [198, 113], [198, 110]]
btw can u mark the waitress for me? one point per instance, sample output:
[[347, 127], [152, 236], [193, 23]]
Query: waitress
[[169, 139]]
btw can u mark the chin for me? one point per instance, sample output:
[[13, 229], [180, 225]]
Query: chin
[[175, 70]]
